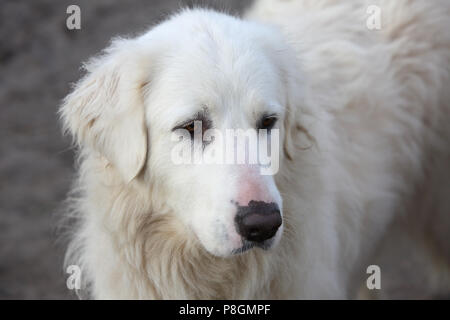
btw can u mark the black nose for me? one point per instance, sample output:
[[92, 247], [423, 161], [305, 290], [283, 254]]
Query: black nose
[[258, 221]]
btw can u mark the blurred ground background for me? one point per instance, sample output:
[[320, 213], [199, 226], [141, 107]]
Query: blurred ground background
[[39, 58]]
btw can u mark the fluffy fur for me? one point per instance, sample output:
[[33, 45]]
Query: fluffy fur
[[365, 139]]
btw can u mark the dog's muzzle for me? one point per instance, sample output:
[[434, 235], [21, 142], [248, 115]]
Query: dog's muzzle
[[257, 223]]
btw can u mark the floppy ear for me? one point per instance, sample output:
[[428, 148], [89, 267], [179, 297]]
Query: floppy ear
[[296, 109], [294, 86], [298, 118], [289, 67], [105, 111]]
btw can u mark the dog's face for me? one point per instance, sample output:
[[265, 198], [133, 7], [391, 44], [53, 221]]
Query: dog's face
[[231, 206], [190, 88]]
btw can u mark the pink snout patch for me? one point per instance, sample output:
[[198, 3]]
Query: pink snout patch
[[252, 187]]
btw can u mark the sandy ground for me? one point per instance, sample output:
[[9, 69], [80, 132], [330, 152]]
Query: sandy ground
[[39, 58]]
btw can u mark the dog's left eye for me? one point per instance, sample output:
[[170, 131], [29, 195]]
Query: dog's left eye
[[190, 127], [267, 122]]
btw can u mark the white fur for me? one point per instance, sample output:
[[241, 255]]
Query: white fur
[[364, 119]]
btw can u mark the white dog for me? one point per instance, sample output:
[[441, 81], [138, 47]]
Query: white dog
[[363, 113]]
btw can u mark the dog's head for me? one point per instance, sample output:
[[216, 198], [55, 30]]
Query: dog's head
[[178, 92]]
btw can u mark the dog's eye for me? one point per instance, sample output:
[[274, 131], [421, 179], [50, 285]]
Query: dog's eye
[[190, 127], [267, 122], [200, 122], [193, 125]]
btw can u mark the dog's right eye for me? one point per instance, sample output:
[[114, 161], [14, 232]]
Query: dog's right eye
[[199, 122], [193, 125]]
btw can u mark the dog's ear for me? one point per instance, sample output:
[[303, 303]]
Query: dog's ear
[[279, 51], [293, 84], [105, 111]]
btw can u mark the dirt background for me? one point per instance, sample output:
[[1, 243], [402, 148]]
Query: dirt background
[[39, 58]]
